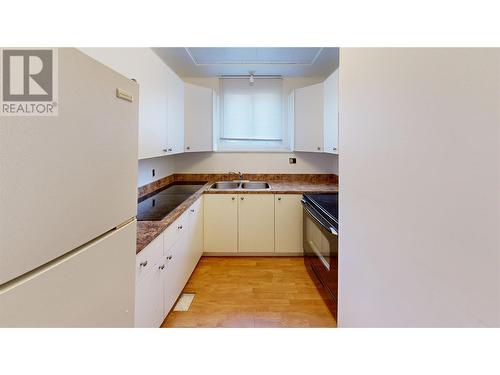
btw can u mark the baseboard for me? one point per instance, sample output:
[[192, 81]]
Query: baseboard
[[254, 254]]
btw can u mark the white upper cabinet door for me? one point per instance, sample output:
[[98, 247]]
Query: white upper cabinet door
[[150, 72], [198, 118], [255, 223], [288, 223], [309, 119], [331, 113], [175, 109], [220, 225]]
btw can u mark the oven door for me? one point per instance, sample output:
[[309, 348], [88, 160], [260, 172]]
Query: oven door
[[321, 248]]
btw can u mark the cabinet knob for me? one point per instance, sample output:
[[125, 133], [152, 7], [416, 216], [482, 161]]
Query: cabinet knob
[[319, 148], [170, 149], [188, 148], [179, 227], [169, 257], [191, 210], [165, 150], [242, 198], [162, 267], [279, 198], [232, 198], [143, 264], [334, 148]]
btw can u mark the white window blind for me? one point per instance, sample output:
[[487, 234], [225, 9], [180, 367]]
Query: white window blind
[[252, 112]]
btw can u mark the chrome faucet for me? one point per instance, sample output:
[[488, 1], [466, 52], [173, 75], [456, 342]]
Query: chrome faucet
[[238, 173]]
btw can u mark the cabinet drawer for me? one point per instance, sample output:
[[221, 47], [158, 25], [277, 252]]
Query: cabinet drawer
[[148, 257], [174, 231]]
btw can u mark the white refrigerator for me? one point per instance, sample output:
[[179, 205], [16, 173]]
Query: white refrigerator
[[68, 201]]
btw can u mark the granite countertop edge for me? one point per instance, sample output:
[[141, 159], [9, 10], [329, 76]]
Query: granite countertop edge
[[147, 231]]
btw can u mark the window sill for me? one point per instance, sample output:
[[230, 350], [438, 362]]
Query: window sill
[[263, 151]]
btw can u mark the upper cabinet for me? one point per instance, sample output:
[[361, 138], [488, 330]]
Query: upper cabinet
[[331, 113], [198, 118], [309, 118], [175, 111], [316, 117], [161, 97]]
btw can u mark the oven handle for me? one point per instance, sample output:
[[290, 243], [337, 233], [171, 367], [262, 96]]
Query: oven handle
[[312, 212]]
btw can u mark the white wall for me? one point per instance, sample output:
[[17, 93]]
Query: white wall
[[420, 187], [223, 162], [163, 166], [256, 162]]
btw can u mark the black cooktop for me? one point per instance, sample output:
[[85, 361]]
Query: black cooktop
[[155, 206], [328, 204]]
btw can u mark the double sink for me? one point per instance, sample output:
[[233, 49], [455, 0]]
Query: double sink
[[240, 185]]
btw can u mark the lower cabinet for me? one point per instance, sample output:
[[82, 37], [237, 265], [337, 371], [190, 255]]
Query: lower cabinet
[[253, 223], [221, 223], [195, 234], [256, 223], [148, 298], [288, 223], [165, 265], [176, 274]]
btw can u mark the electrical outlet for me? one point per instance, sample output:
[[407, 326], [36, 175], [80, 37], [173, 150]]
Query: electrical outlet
[[292, 160], [153, 172]]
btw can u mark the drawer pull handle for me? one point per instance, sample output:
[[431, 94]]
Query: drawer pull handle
[[143, 264], [162, 266], [179, 227], [191, 210]]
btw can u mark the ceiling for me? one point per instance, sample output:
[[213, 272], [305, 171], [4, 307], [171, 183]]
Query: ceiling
[[217, 61]]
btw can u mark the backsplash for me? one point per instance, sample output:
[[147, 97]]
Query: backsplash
[[311, 178]]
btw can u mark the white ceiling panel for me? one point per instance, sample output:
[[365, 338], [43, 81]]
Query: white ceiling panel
[[217, 61], [212, 56]]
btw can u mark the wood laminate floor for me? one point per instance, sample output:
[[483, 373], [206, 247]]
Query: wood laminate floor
[[253, 292]]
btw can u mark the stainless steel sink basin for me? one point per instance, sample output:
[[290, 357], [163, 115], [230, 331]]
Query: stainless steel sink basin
[[255, 185], [225, 185]]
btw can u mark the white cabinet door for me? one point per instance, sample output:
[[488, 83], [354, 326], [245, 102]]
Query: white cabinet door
[[175, 108], [149, 310], [195, 247], [309, 119], [148, 257], [220, 224], [255, 223], [175, 272], [198, 118], [331, 113], [288, 223]]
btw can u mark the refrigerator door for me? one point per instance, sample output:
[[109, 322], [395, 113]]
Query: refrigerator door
[[92, 286], [68, 179]]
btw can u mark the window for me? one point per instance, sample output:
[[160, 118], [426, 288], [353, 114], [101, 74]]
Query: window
[[252, 114]]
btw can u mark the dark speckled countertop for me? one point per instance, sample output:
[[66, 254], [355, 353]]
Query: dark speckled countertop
[[147, 231]]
